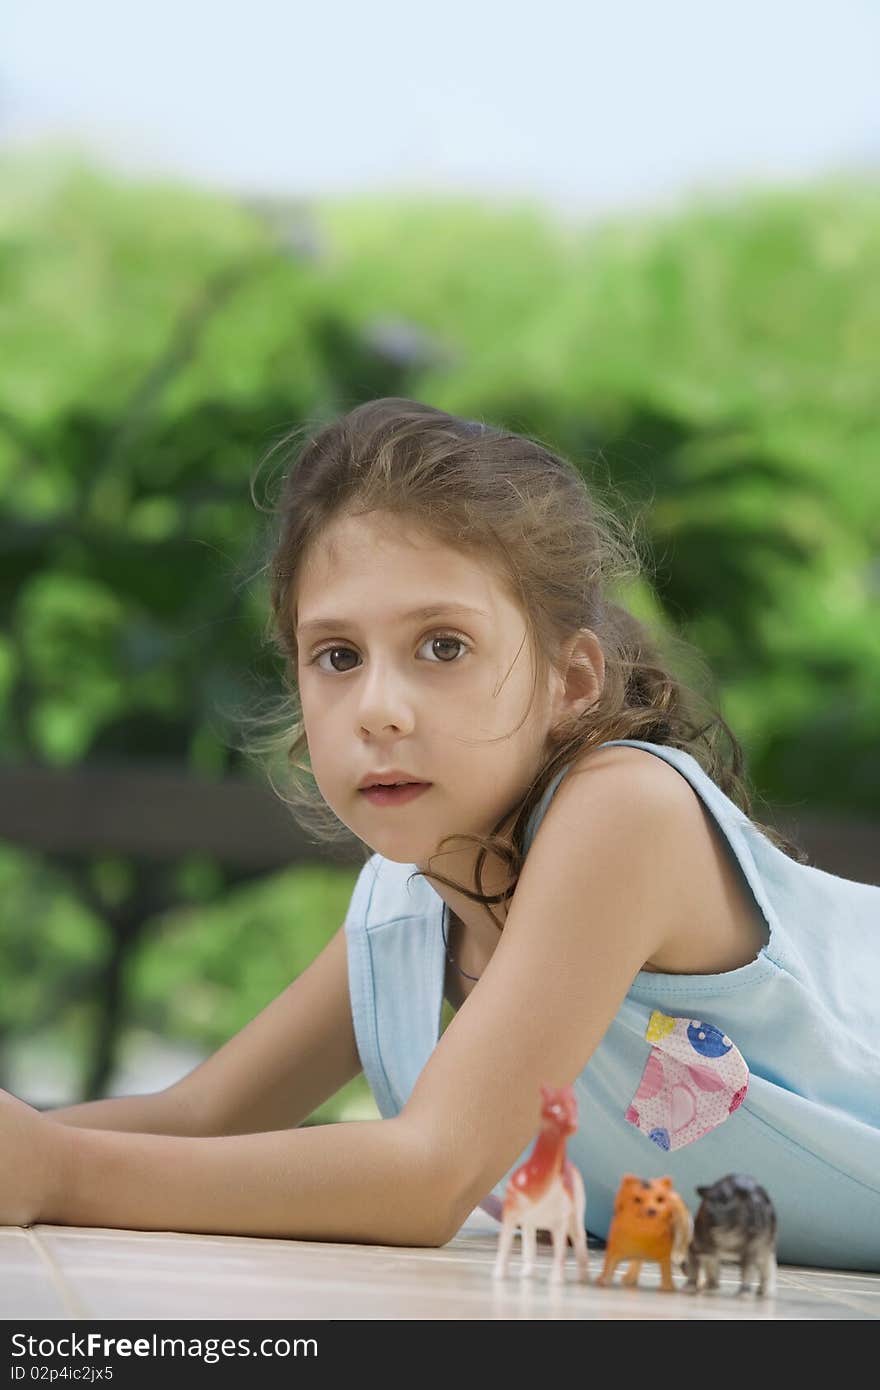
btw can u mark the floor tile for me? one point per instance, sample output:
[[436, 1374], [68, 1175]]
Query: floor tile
[[158, 1274], [29, 1288]]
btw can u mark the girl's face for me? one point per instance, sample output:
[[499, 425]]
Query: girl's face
[[383, 687]]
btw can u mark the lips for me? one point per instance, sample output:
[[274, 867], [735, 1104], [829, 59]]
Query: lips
[[372, 786], [388, 777], [379, 795]]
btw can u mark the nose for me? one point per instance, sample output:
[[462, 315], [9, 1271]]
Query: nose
[[384, 702]]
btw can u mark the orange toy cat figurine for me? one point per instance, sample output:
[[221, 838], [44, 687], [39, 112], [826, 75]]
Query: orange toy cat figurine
[[547, 1193], [650, 1222]]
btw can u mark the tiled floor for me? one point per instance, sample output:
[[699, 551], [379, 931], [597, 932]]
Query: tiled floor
[[68, 1272]]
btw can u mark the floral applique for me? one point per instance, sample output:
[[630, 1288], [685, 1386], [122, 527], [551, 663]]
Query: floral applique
[[693, 1080]]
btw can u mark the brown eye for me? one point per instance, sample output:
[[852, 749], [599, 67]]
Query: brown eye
[[450, 641], [331, 652]]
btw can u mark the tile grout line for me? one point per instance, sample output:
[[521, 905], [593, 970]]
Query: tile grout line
[[70, 1299], [829, 1297]]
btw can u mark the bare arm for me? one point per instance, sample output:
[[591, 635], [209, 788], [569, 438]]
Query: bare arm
[[372, 1181], [271, 1075], [157, 1112], [600, 892]]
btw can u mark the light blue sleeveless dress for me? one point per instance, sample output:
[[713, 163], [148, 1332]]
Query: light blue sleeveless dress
[[801, 1020]]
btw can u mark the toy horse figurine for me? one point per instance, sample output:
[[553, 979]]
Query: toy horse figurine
[[547, 1192], [650, 1222]]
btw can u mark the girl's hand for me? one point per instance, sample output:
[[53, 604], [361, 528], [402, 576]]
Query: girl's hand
[[31, 1157]]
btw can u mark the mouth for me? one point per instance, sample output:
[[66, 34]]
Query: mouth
[[401, 782], [381, 795]]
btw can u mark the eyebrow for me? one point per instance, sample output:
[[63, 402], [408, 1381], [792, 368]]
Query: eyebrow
[[429, 610]]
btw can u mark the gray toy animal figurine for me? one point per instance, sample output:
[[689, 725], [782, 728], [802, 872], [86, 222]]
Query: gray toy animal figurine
[[736, 1224]]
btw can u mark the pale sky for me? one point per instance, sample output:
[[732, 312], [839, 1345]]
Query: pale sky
[[583, 106]]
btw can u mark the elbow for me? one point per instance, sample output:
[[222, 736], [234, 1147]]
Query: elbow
[[435, 1239], [437, 1196], [469, 1194], [452, 1204], [422, 1224], [441, 1216], [440, 1233]]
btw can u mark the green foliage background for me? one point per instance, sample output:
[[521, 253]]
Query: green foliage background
[[715, 368]]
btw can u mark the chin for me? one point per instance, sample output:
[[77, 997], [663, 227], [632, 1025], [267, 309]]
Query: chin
[[395, 858], [396, 849], [399, 846]]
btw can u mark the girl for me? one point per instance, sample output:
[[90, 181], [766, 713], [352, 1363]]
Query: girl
[[569, 863]]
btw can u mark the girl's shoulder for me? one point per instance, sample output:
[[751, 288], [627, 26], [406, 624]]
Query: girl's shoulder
[[716, 924], [612, 765], [609, 754]]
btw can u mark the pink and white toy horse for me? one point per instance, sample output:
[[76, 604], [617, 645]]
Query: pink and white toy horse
[[547, 1193]]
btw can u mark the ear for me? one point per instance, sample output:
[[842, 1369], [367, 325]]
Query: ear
[[665, 1182], [579, 676]]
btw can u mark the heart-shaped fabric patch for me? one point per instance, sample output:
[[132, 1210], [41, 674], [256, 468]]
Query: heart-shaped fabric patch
[[694, 1078]]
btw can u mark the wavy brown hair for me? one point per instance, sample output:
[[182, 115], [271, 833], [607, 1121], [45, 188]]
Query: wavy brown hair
[[556, 549]]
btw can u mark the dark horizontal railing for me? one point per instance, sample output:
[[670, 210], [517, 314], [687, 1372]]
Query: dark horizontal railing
[[155, 813]]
